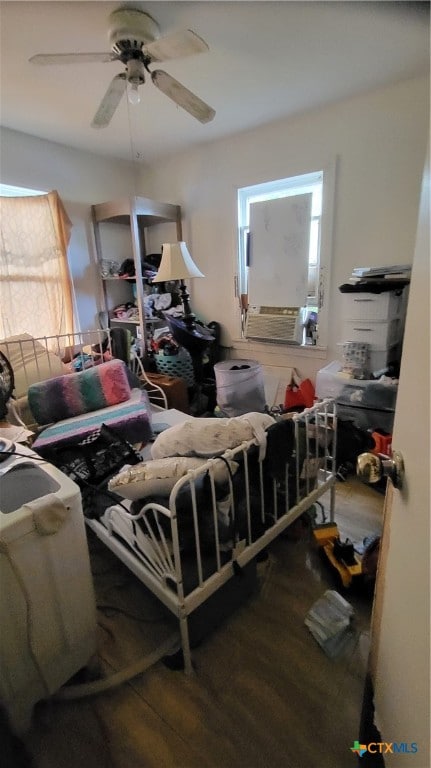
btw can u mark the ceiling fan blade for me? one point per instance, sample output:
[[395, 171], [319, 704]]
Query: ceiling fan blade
[[182, 96], [176, 46], [71, 58], [110, 101]]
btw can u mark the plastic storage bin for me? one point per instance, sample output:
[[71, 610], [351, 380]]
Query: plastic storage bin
[[331, 382], [366, 419], [369, 404], [368, 394]]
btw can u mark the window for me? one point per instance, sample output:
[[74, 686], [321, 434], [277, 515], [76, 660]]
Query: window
[[6, 190], [35, 283], [305, 251]]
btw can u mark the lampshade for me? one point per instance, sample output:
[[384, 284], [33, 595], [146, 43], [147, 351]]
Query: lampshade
[[176, 264]]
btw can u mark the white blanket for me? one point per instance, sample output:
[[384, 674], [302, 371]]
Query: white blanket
[[211, 437]]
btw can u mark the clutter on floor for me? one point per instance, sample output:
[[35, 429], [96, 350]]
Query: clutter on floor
[[330, 622], [354, 562]]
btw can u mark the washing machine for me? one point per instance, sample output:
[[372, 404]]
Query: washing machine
[[47, 603]]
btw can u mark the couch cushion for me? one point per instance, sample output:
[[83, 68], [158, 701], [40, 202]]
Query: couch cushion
[[77, 393]]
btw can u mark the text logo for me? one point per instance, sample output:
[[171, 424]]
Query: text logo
[[358, 748], [384, 747]]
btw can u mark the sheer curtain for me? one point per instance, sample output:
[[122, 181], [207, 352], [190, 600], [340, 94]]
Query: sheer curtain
[[35, 282]]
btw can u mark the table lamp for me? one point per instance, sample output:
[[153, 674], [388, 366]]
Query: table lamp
[[177, 264]]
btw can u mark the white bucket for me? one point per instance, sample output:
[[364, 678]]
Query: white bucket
[[240, 387]]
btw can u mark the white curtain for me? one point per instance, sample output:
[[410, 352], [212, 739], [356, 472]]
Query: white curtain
[[35, 282]]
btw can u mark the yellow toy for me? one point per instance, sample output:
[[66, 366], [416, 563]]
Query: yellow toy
[[341, 555]]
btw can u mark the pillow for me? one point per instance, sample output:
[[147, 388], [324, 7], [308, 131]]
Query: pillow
[[208, 436], [157, 478], [74, 394], [30, 361]]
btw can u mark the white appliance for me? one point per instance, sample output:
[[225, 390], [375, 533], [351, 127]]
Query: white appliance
[[47, 604], [280, 324]]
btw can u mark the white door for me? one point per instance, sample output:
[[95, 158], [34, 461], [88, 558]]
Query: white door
[[400, 641]]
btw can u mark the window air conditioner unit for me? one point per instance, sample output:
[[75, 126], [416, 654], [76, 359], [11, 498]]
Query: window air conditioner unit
[[283, 325]]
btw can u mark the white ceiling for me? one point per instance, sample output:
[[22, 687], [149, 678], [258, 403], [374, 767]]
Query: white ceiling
[[266, 60]]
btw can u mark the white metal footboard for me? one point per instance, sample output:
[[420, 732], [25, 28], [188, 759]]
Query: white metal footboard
[[228, 525]]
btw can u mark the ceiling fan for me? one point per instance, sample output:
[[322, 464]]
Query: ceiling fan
[[136, 42]]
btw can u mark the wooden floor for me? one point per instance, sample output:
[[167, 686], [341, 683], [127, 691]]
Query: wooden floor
[[263, 695]]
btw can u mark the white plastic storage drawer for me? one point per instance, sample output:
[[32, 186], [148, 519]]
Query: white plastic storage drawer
[[379, 335], [373, 306]]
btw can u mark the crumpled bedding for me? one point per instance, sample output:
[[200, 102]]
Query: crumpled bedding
[[208, 437]]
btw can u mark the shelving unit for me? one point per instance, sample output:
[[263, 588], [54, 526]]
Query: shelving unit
[[134, 216]]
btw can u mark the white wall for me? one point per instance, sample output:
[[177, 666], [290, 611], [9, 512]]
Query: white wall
[[379, 139], [81, 179]]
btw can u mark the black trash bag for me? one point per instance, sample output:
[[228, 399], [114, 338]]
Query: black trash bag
[[351, 441]]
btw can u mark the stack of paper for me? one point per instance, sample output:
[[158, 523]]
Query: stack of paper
[[329, 621], [395, 272]]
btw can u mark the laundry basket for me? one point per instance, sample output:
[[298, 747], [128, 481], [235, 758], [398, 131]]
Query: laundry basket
[[179, 365], [240, 387]]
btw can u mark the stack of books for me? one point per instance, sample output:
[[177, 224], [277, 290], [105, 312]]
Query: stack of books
[[373, 274], [329, 621]]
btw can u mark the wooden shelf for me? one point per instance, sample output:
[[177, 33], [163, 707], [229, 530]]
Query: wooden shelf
[[130, 321], [124, 320], [149, 212], [120, 279], [138, 214]]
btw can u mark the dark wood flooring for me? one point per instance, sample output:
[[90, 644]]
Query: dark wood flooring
[[263, 695]]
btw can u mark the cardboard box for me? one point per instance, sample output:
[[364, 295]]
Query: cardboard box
[[174, 388]]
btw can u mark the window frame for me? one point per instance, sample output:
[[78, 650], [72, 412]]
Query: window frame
[[59, 226], [294, 184]]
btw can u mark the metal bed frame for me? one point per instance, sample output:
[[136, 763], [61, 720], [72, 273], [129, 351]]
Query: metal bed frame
[[37, 360], [152, 550], [155, 557]]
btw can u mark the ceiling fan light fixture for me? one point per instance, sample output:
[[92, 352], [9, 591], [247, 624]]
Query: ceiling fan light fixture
[[133, 93], [135, 77]]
